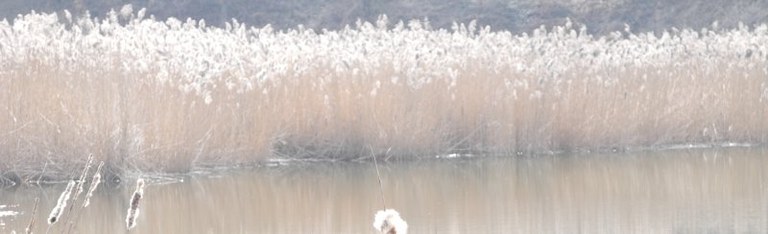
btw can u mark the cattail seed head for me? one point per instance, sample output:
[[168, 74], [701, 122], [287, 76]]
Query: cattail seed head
[[389, 222], [133, 210], [59, 209]]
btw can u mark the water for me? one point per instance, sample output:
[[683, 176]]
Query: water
[[674, 191]]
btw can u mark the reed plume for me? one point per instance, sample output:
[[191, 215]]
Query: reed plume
[[94, 183], [59, 209], [133, 211]]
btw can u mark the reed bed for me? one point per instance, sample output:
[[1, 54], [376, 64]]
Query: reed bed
[[175, 95]]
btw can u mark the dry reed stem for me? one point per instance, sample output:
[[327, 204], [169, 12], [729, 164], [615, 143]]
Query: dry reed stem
[[133, 210], [32, 219], [40, 177], [378, 176], [81, 179], [94, 184]]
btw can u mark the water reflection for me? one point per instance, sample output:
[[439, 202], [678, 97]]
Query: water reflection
[[685, 191]]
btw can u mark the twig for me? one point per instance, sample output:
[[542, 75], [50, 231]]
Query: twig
[[76, 213], [378, 175], [94, 184], [39, 178], [31, 224]]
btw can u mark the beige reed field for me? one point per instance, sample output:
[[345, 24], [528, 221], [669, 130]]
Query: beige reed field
[[171, 96]]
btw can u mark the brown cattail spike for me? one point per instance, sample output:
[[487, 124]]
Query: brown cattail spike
[[133, 210]]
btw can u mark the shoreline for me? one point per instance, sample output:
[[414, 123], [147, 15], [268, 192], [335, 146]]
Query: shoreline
[[159, 178]]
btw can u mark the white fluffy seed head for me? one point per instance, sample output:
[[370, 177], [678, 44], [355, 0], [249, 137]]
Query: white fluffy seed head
[[389, 222], [126, 11]]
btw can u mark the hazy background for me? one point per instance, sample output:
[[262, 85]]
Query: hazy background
[[600, 16]]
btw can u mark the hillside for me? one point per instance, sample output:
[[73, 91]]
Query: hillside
[[600, 16]]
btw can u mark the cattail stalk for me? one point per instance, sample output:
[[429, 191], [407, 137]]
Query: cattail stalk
[[133, 211], [31, 224], [387, 221], [94, 183], [378, 176], [59, 209], [81, 181]]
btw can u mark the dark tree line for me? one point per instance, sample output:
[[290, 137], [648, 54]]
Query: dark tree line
[[600, 16]]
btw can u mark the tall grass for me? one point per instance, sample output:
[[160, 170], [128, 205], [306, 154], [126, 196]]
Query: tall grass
[[143, 94]]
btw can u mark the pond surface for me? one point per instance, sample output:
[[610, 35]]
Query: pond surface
[[674, 191]]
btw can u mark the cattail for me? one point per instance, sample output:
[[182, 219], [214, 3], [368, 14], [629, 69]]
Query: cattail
[[133, 211], [94, 183], [389, 222], [31, 224], [59, 209]]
